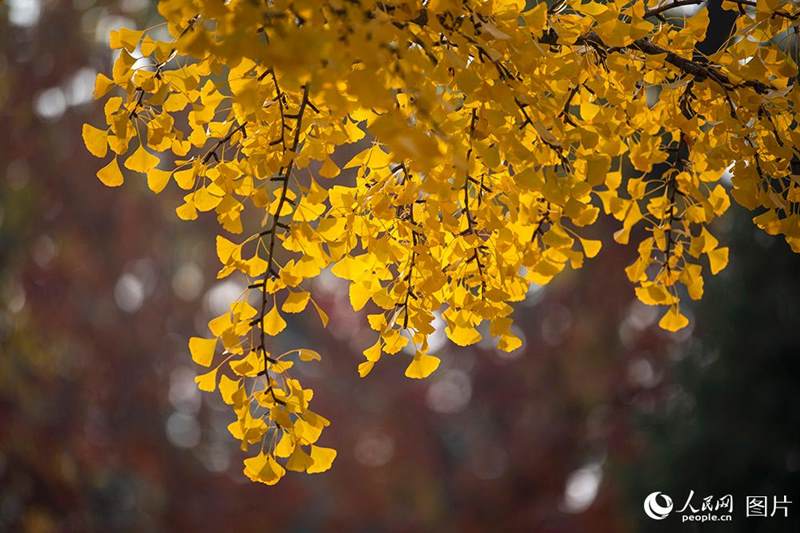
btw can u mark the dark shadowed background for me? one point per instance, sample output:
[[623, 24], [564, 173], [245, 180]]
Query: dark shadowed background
[[102, 429]]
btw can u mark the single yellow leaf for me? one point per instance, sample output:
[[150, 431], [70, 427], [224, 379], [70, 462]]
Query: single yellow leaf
[[296, 302], [141, 160], [125, 38], [652, 294], [185, 178], [102, 84], [228, 388], [329, 169], [285, 445], [207, 382], [507, 8], [308, 355], [422, 366], [204, 200], [323, 316], [227, 250], [299, 461], [360, 293], [281, 366], [373, 353], [718, 259], [95, 139], [673, 320], [463, 336], [273, 322], [393, 342], [202, 350], [186, 211], [110, 175], [322, 459], [536, 18], [157, 179], [365, 368], [590, 247], [354, 133], [175, 102]]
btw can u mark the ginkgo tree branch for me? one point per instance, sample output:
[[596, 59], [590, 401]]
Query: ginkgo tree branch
[[558, 129], [212, 153], [681, 157], [268, 270], [658, 10], [700, 71]]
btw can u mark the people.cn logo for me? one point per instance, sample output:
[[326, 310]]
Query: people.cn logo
[[657, 505]]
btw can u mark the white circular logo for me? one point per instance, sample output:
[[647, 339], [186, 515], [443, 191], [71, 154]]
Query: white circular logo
[[653, 505]]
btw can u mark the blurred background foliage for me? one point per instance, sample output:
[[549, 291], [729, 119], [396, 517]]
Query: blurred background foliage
[[101, 428]]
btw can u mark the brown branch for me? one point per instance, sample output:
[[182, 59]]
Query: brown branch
[[272, 231], [701, 71], [213, 152]]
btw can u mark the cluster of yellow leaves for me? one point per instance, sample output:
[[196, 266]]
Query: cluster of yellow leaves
[[488, 135]]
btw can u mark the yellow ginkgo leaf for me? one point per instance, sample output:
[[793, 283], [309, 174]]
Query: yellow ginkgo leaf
[[373, 353], [365, 368], [204, 200], [463, 336], [228, 388], [393, 342], [422, 366], [673, 320], [207, 382], [652, 294], [249, 366], [591, 247], [329, 169], [185, 178], [202, 350], [157, 179], [102, 84], [264, 469], [186, 211], [308, 355], [111, 175], [507, 8], [125, 38], [508, 343], [95, 139], [360, 293], [285, 445], [141, 160], [299, 461], [323, 316], [718, 259], [296, 302], [281, 366], [227, 250], [273, 322], [322, 459], [354, 133]]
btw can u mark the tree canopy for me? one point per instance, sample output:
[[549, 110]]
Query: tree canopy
[[488, 136]]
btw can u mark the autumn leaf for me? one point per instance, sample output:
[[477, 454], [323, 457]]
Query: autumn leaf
[[110, 175]]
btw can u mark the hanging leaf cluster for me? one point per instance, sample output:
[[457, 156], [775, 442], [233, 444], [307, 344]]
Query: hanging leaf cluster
[[489, 137]]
